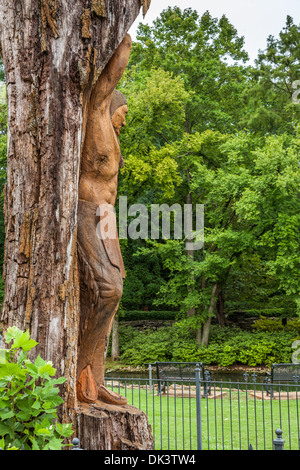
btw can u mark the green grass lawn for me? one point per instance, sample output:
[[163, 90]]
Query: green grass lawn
[[231, 422]]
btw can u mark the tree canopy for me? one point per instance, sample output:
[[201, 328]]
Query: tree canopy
[[205, 127]]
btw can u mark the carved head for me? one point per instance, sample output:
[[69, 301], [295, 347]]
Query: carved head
[[118, 111]]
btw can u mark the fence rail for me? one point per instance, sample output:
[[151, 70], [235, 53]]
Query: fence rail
[[237, 415]]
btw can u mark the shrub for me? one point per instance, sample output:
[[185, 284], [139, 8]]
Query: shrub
[[29, 398], [147, 346], [274, 325], [265, 312], [227, 346], [135, 315]]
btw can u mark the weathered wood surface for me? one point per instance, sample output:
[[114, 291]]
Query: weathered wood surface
[[53, 52], [113, 428], [100, 262]]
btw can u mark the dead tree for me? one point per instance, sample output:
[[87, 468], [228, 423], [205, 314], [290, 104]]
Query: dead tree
[[53, 52]]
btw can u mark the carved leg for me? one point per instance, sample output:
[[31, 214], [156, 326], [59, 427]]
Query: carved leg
[[98, 368], [98, 364], [87, 390], [92, 351], [96, 326], [101, 288]]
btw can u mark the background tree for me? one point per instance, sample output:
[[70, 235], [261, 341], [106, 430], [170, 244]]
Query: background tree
[[268, 98], [209, 156], [207, 54], [162, 78], [251, 213]]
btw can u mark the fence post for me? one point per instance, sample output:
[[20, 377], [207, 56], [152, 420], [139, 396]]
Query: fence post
[[278, 442], [150, 378], [75, 443], [198, 408]]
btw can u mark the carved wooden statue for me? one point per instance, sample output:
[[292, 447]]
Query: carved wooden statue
[[100, 261]]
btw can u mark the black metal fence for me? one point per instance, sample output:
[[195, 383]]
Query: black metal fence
[[236, 415]]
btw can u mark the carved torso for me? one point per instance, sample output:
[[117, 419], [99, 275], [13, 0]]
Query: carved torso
[[100, 165]]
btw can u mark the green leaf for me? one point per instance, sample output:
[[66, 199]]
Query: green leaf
[[16, 445], [58, 381], [33, 369], [56, 400], [3, 403], [39, 362], [36, 405], [64, 429], [25, 404], [23, 341], [12, 333], [46, 369], [11, 370], [36, 412], [43, 432], [55, 444], [20, 338], [51, 411], [35, 445], [47, 405], [49, 392], [29, 345], [24, 416], [6, 414], [5, 429]]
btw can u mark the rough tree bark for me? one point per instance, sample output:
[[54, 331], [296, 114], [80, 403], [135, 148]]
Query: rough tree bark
[[53, 52], [220, 305], [211, 309], [111, 427]]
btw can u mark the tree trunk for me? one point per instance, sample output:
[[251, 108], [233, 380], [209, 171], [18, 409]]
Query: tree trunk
[[220, 313], [115, 348], [113, 428], [212, 306], [53, 53], [190, 253]]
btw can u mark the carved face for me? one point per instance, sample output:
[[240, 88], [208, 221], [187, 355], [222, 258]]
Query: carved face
[[119, 119]]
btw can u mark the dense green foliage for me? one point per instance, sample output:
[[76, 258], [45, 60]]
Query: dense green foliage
[[29, 398], [270, 109], [227, 346], [206, 127], [132, 315]]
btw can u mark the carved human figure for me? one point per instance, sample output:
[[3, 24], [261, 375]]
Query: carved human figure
[[100, 262]]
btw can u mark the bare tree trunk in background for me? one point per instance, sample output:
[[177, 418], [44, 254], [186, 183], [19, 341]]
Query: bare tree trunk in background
[[115, 348], [190, 253], [212, 307], [53, 53], [220, 312], [199, 331]]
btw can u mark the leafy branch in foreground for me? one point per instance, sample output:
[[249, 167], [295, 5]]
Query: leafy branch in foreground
[[29, 398]]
